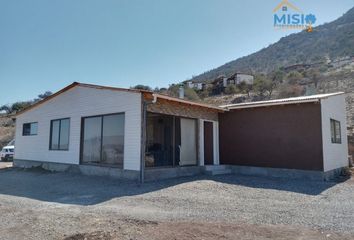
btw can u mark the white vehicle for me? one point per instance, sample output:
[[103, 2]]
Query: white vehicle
[[7, 152]]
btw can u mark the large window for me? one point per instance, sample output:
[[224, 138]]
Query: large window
[[29, 129], [335, 131], [103, 140], [59, 134]]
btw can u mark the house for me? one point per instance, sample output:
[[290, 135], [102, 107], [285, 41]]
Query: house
[[297, 67], [340, 62], [138, 134], [306, 134], [114, 131], [221, 82], [238, 78], [195, 85]]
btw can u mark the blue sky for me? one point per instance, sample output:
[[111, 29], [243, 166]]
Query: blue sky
[[48, 44]]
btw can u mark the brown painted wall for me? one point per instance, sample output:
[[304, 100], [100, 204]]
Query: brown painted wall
[[208, 143], [287, 136]]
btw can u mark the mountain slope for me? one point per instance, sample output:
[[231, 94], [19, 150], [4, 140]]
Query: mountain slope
[[333, 40]]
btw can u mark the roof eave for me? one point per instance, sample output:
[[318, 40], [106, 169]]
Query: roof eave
[[219, 109], [315, 98], [273, 104]]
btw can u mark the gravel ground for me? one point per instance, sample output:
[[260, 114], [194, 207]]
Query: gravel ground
[[36, 204]]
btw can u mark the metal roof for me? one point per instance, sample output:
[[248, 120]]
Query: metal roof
[[179, 100], [293, 100]]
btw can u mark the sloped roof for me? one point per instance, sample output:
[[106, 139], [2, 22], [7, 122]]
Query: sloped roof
[[169, 98], [293, 100], [75, 84]]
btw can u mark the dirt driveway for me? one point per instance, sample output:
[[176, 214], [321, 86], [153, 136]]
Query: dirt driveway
[[35, 204], [5, 164]]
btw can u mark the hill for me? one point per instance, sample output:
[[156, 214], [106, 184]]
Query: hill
[[331, 40], [323, 59]]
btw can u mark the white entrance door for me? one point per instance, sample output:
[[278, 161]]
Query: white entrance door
[[188, 153]]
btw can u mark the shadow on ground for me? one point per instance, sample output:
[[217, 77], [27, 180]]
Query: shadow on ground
[[68, 188]]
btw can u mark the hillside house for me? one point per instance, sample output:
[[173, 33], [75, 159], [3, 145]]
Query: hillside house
[[220, 83], [239, 78], [195, 85]]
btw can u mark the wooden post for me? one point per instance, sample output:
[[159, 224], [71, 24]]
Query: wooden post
[[143, 141]]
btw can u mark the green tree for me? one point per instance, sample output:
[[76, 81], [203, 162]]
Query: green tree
[[277, 76], [314, 75], [231, 89], [15, 107], [173, 90], [142, 87], [163, 90], [42, 96], [6, 108], [205, 92], [19, 106], [263, 86], [245, 88], [294, 77], [190, 94], [290, 90]]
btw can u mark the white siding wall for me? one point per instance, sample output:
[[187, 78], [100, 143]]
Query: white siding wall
[[334, 155], [76, 103], [216, 142], [201, 142]]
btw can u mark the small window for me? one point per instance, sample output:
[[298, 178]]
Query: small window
[[29, 129], [335, 131], [59, 134]]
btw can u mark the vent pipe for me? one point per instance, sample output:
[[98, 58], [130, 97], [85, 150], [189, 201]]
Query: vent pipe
[[181, 92]]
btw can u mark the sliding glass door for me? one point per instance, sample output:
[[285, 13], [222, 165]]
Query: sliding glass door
[[170, 141], [92, 140], [103, 140], [113, 139]]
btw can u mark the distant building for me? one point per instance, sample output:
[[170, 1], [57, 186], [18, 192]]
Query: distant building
[[238, 78], [297, 67], [206, 86], [339, 62], [195, 85], [221, 82]]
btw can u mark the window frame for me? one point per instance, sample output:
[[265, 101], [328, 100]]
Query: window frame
[[30, 124], [82, 139], [51, 134], [334, 138]]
